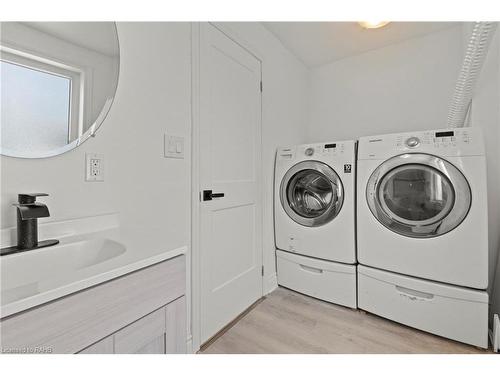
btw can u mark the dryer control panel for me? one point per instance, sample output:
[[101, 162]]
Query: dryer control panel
[[446, 142], [438, 139]]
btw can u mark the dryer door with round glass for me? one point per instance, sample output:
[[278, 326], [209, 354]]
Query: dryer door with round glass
[[311, 193], [418, 195]]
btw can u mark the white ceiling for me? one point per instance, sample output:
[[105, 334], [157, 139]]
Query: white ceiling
[[318, 43], [97, 36]]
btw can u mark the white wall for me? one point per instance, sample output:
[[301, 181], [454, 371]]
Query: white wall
[[151, 193], [404, 86], [284, 116]]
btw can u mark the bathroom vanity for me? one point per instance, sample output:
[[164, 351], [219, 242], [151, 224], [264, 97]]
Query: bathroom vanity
[[91, 294], [140, 312]]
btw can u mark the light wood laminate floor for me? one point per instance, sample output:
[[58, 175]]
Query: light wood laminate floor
[[289, 322]]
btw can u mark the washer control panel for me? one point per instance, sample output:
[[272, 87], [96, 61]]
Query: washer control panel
[[318, 151], [333, 148], [322, 149], [286, 153], [309, 151]]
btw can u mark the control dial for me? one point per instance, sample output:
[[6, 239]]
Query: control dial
[[412, 142]]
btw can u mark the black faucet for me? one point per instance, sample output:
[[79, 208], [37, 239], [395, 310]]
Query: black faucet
[[28, 213]]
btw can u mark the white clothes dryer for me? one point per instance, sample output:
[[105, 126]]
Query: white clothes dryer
[[422, 231], [422, 205]]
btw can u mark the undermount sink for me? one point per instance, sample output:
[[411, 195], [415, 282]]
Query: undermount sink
[[22, 274]]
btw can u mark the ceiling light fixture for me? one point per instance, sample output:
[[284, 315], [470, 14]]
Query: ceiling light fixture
[[373, 24]]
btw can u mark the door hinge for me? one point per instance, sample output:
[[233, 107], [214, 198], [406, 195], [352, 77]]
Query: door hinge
[[262, 271], [260, 86]]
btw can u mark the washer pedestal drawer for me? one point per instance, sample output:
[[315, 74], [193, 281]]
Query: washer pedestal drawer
[[454, 312], [329, 281]]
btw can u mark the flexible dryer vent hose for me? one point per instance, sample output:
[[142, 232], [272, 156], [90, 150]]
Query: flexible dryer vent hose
[[476, 52]]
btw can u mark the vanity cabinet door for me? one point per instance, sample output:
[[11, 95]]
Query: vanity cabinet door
[[176, 326], [105, 346], [144, 336]]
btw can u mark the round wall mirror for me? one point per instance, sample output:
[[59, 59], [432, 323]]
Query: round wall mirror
[[58, 81]]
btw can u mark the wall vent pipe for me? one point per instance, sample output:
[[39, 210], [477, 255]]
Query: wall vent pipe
[[476, 52]]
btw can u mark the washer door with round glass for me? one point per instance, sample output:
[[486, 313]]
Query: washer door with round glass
[[311, 193], [418, 195]]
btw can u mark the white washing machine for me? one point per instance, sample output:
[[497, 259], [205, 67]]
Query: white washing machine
[[314, 218], [422, 216]]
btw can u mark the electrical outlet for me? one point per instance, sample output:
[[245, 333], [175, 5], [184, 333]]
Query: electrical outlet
[[94, 170]]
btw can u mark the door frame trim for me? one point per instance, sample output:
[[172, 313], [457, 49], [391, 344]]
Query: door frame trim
[[194, 279]]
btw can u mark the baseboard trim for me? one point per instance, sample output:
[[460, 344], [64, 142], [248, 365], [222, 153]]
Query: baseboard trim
[[495, 334], [271, 283], [189, 345]]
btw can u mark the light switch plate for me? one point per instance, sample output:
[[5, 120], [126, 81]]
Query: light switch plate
[[94, 167], [173, 146]]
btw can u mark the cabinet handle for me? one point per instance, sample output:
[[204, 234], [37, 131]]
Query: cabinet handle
[[413, 294], [311, 269]]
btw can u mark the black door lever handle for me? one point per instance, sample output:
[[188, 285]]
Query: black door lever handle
[[208, 195]]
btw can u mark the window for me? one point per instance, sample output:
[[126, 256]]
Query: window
[[52, 95]]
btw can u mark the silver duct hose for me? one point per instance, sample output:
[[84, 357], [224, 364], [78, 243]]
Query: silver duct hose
[[476, 52]]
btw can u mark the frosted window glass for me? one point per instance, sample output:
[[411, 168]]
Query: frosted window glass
[[35, 108]]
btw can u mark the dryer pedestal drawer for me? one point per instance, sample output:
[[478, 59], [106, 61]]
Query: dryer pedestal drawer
[[454, 312], [329, 281]]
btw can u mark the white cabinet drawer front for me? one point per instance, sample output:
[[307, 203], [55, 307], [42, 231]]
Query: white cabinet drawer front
[[457, 313], [329, 281], [145, 331], [75, 322]]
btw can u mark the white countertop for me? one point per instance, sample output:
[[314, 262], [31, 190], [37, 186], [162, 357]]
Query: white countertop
[[25, 295], [57, 287]]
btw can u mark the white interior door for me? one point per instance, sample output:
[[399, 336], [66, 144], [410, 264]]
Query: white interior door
[[229, 164]]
